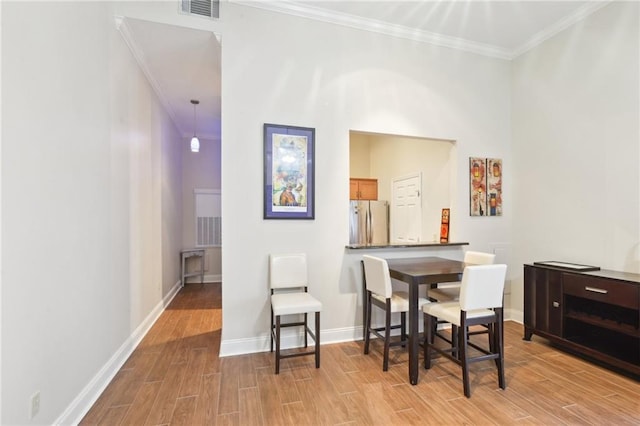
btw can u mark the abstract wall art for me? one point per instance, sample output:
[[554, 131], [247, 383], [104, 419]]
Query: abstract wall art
[[485, 186]]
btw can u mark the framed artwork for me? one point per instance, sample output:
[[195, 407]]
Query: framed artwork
[[477, 186], [444, 226], [288, 172], [494, 187], [485, 186]]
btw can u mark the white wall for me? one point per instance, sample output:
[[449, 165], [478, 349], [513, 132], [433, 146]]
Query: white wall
[[85, 150], [577, 145], [287, 70]]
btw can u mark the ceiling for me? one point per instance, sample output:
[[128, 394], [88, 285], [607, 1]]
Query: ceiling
[[183, 64]]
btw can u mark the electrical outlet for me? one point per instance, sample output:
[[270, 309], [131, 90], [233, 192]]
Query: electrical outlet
[[35, 405]]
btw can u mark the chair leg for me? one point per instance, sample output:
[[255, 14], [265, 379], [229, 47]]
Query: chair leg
[[367, 326], [499, 344], [306, 337], [387, 337], [463, 337], [491, 330], [271, 330], [317, 339], [428, 340], [278, 344], [434, 330], [454, 340], [403, 327]]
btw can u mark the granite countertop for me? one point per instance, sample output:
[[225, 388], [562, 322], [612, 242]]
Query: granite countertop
[[402, 245]]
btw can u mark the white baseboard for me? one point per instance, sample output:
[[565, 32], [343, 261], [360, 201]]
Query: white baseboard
[[513, 315], [207, 279], [81, 405], [289, 340]]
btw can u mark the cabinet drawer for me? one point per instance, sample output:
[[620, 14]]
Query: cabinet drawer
[[602, 290]]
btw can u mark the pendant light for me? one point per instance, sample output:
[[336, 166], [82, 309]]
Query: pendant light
[[195, 143]]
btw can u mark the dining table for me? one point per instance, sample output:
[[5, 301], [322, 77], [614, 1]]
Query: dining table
[[417, 271]]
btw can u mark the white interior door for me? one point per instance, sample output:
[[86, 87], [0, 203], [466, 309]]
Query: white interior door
[[406, 209]]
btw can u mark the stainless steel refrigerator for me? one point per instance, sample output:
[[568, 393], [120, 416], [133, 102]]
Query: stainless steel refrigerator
[[369, 222]]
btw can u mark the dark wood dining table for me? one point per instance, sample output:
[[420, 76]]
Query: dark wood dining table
[[417, 271]]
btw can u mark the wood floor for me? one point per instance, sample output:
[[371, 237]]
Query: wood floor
[[176, 377]]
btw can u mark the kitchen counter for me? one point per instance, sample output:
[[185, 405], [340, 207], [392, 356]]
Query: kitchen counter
[[401, 245]]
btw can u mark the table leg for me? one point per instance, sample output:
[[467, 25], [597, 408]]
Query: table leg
[[413, 334]]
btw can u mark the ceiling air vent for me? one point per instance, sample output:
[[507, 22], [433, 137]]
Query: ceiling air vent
[[208, 8]]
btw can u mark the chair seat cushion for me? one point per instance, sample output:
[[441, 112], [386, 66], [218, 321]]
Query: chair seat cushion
[[450, 312], [445, 294], [400, 301], [294, 303]]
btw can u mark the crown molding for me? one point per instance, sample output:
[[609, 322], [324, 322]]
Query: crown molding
[[561, 25], [372, 25], [338, 18], [125, 31]]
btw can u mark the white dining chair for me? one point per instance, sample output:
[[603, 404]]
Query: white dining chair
[[480, 303], [379, 292], [446, 292], [288, 280]]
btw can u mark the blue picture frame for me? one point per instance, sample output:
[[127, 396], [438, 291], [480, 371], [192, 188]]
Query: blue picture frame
[[289, 172]]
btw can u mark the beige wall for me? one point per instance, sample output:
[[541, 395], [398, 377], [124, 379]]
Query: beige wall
[[386, 157], [359, 156]]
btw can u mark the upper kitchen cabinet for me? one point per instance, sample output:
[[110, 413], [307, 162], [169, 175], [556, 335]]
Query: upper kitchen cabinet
[[363, 189]]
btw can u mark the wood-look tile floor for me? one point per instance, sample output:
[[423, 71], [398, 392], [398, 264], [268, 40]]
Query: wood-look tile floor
[[176, 377]]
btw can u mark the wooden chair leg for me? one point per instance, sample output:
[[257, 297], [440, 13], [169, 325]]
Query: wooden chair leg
[[428, 340], [271, 330], [387, 338], [454, 341], [278, 344], [403, 327], [306, 337], [367, 326], [317, 339], [499, 343], [494, 341], [463, 336]]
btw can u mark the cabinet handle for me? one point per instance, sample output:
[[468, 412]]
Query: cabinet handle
[[597, 290], [556, 304]]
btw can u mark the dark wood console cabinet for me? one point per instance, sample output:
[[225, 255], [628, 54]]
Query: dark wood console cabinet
[[594, 314]]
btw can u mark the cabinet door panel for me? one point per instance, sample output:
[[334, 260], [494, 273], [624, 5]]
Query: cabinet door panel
[[543, 300], [353, 189], [363, 189], [554, 302], [369, 190]]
